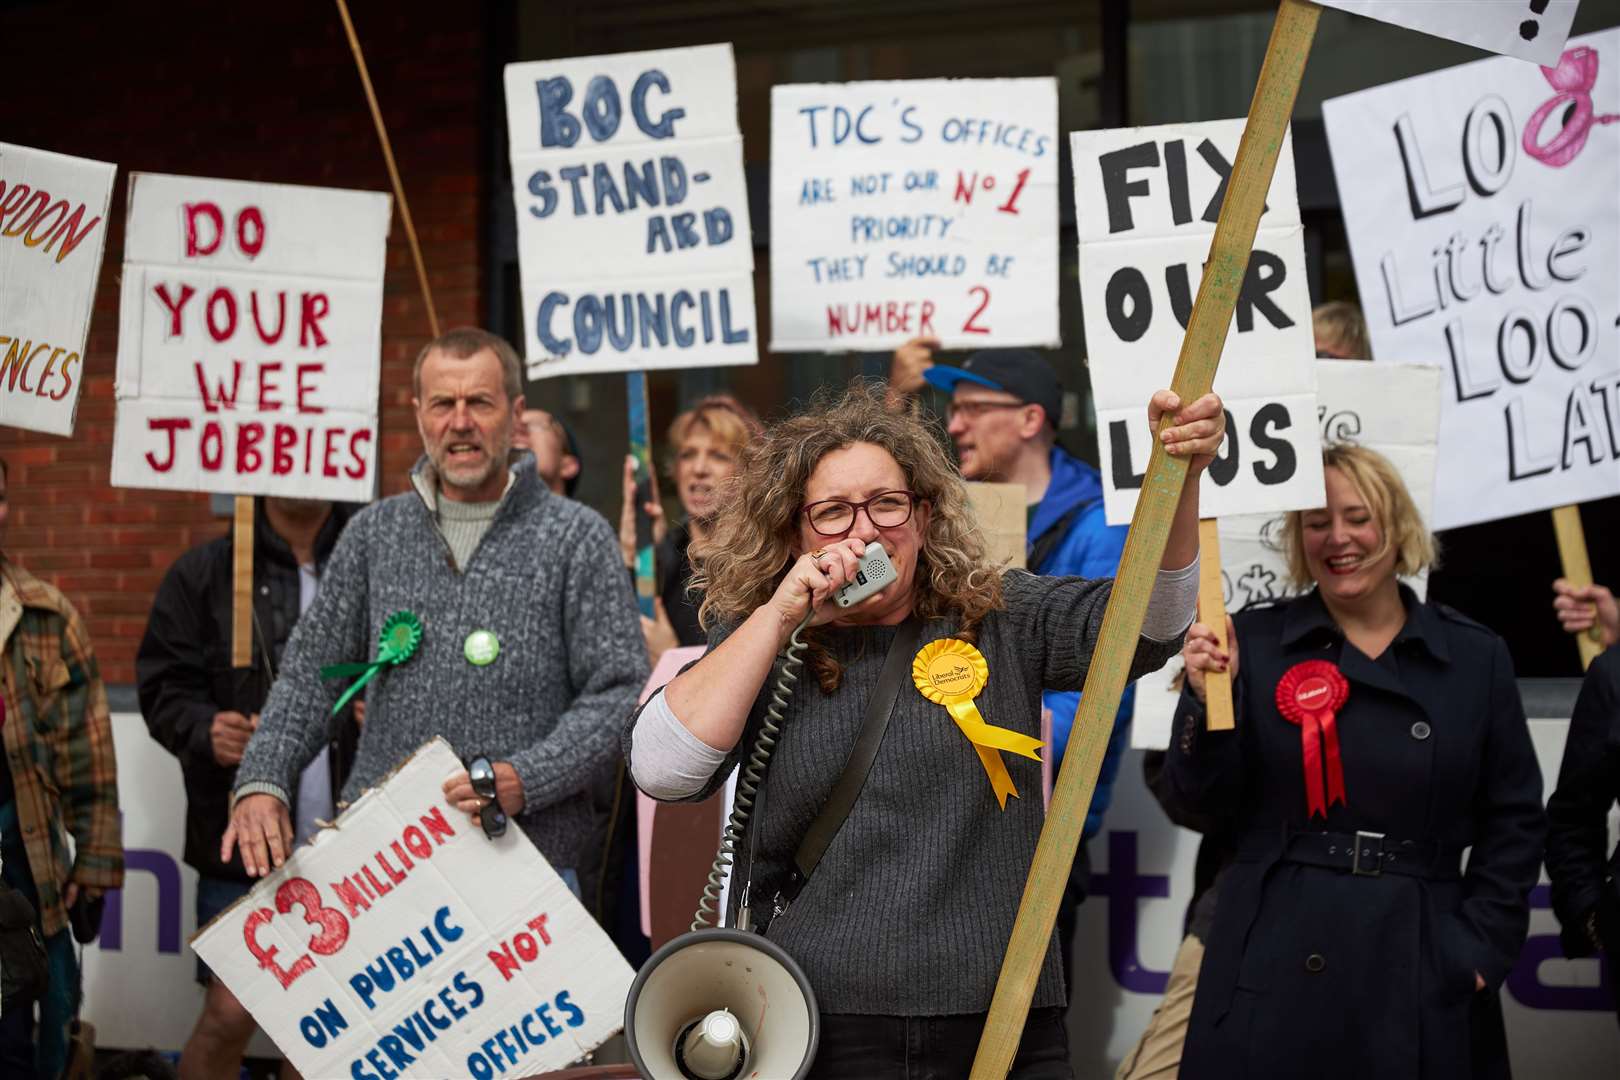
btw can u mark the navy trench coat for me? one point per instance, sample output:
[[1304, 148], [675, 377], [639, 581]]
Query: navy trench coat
[[1354, 956]]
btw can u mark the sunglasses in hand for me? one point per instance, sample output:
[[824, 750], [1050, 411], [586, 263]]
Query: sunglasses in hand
[[481, 773]]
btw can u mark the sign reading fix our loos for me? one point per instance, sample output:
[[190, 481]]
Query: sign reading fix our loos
[[1391, 408], [1147, 200], [1529, 29], [53, 213], [1483, 207], [249, 338], [901, 209], [403, 942], [633, 233]]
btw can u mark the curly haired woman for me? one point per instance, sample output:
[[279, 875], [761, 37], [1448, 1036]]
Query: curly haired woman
[[901, 927]]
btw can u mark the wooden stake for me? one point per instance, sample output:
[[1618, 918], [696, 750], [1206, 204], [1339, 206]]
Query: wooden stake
[[393, 169], [1212, 613], [1577, 571], [1150, 528], [242, 583], [641, 450]]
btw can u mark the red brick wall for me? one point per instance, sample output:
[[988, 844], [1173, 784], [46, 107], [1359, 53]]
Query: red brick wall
[[264, 91]]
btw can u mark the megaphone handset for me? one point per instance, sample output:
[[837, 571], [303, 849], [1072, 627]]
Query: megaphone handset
[[748, 781]]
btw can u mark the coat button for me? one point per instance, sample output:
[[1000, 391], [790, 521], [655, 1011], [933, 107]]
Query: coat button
[[1421, 730], [1315, 962]]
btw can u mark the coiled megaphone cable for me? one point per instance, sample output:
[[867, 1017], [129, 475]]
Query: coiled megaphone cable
[[742, 805]]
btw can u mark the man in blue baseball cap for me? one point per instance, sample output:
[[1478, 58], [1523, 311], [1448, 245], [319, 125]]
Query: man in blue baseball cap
[[1003, 415]]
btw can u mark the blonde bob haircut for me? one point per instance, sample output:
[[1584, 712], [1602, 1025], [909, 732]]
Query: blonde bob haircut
[[1399, 522], [755, 537], [723, 416]]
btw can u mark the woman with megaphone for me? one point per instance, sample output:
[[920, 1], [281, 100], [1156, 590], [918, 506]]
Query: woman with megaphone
[[891, 841]]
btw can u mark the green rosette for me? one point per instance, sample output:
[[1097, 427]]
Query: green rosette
[[401, 636]]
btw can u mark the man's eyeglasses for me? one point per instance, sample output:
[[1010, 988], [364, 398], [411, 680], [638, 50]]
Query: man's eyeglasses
[[482, 775], [972, 410], [835, 517]]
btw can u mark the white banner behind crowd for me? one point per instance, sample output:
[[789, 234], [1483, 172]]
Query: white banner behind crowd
[[1485, 229], [249, 338], [409, 942], [1146, 203], [922, 207], [53, 214], [139, 990], [1529, 29], [633, 233], [1391, 408]]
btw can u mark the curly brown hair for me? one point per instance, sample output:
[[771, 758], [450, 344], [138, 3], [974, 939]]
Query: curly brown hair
[[751, 544]]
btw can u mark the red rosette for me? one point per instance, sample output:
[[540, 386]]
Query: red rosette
[[1310, 695]]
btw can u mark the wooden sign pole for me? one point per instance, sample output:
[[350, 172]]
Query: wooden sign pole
[[1577, 571], [1218, 712], [242, 583], [1269, 114]]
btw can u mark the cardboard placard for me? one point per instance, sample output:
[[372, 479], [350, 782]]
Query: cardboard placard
[[403, 942], [1002, 511], [1483, 209], [1391, 408], [250, 337], [1529, 29], [634, 240], [53, 230], [923, 207], [1146, 203]]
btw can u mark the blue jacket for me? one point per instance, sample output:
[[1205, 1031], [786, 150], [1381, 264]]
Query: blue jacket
[[1090, 548]]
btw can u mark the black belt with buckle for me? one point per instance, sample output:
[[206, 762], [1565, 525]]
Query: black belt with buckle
[[1371, 854]]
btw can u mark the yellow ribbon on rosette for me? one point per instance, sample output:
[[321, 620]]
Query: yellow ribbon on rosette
[[951, 672]]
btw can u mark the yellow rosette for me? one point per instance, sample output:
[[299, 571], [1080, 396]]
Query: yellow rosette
[[950, 672]]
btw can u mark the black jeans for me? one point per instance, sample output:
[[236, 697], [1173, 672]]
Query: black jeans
[[933, 1047]]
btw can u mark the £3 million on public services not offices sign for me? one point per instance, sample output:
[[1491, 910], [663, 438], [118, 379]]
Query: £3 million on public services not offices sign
[[403, 942], [633, 233]]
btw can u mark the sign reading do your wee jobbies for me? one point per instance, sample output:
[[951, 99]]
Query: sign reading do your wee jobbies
[[249, 338], [53, 213], [1147, 200], [633, 234], [901, 209], [1483, 206], [402, 942]]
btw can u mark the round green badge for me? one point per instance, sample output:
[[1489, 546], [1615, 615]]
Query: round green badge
[[482, 648]]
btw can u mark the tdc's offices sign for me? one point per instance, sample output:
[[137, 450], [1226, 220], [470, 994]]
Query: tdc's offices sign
[[139, 988]]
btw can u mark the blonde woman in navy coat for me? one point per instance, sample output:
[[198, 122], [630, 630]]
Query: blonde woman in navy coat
[[1377, 738]]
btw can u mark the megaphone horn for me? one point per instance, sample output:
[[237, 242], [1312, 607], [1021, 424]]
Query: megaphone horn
[[719, 1005]]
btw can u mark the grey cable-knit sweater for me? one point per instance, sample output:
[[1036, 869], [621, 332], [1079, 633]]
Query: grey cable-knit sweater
[[911, 908], [546, 579]]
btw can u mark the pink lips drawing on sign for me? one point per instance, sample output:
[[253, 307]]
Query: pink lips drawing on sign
[[1573, 78]]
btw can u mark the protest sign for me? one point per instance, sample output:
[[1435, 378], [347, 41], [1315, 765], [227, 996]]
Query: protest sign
[[250, 338], [403, 942], [901, 209], [1391, 408], [53, 228], [1483, 209], [1146, 203], [1529, 29], [633, 233]]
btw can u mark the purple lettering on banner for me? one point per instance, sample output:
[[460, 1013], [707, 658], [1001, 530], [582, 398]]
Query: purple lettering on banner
[[1524, 980], [1123, 887], [162, 866]]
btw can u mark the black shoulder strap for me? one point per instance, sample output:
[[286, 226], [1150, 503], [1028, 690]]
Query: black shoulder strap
[[819, 837], [1048, 541]]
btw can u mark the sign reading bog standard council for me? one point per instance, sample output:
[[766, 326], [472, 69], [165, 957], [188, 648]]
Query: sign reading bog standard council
[[918, 208], [53, 213], [1483, 207], [403, 942], [249, 338], [633, 234]]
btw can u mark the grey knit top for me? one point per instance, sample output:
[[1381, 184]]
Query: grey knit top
[[546, 579], [911, 908]]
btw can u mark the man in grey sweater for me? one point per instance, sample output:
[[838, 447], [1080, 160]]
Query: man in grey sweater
[[530, 651]]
